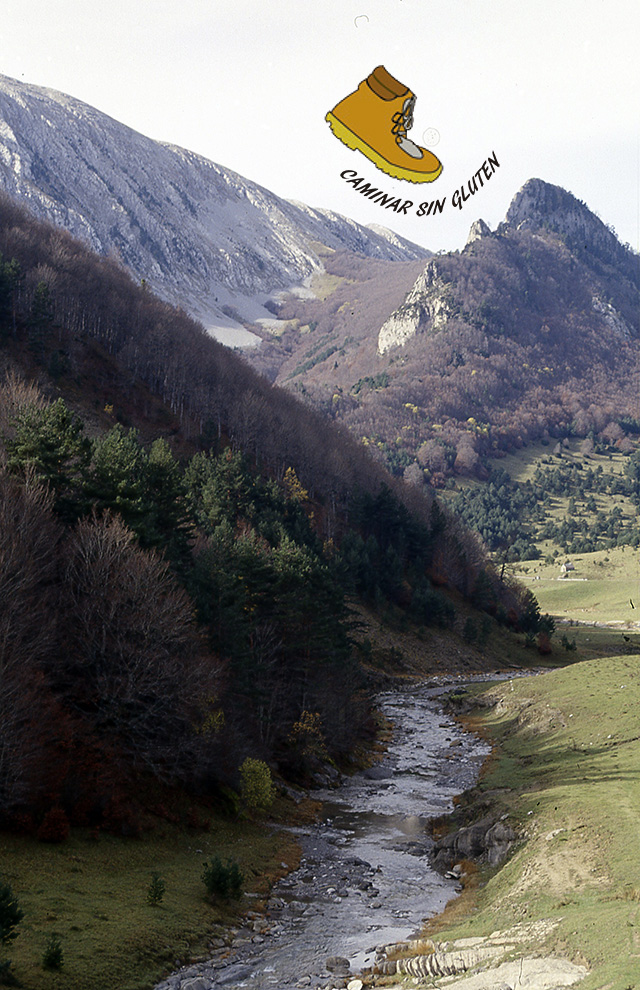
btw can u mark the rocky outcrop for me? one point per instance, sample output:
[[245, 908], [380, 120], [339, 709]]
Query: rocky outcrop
[[539, 205], [444, 963], [479, 962], [612, 319], [486, 840], [427, 307], [478, 229]]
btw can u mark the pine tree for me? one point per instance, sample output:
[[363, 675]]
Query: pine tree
[[49, 442]]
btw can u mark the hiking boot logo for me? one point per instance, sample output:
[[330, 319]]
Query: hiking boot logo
[[375, 120]]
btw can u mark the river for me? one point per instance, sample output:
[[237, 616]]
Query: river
[[365, 878]]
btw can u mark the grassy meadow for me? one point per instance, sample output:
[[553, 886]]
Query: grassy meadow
[[602, 593], [566, 771], [92, 892]]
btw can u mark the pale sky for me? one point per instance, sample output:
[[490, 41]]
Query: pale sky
[[548, 86]]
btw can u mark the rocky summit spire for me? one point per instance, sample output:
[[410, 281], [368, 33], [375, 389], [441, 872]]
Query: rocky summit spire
[[542, 206], [477, 230]]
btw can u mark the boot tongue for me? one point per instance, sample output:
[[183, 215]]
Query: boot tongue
[[409, 147]]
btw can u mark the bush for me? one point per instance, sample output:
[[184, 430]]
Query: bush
[[55, 826], [432, 608], [52, 957], [544, 644], [223, 880], [470, 631], [10, 913], [156, 890], [7, 979], [257, 786]]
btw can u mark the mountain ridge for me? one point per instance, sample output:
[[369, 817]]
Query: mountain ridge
[[201, 235]]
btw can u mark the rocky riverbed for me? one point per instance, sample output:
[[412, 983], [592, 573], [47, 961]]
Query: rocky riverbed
[[365, 879]]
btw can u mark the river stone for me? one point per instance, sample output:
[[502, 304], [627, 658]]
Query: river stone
[[377, 773], [355, 985], [234, 973], [199, 983], [338, 964]]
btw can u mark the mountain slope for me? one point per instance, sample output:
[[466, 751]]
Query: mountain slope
[[204, 237], [530, 330]]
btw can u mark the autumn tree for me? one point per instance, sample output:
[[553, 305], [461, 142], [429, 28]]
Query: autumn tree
[[134, 665], [29, 729]]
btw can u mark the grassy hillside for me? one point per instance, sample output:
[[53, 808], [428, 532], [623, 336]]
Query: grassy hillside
[[601, 590], [564, 771]]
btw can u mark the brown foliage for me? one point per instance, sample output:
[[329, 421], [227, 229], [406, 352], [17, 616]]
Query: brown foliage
[[133, 664], [55, 826], [29, 717]]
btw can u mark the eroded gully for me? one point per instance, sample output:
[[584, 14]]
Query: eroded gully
[[365, 878]]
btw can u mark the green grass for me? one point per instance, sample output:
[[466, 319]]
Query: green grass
[[521, 464], [93, 893], [600, 590], [568, 773]]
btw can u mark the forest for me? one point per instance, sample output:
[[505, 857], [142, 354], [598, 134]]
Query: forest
[[514, 517], [179, 546], [525, 334]]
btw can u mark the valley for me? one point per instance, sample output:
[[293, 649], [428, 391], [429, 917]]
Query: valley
[[233, 580]]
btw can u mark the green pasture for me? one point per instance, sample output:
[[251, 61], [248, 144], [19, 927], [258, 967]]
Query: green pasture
[[604, 588], [93, 893], [566, 771], [521, 464]]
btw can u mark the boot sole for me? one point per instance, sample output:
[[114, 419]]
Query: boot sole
[[357, 144]]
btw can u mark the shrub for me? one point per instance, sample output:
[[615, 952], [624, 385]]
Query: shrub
[[7, 979], [53, 956], [10, 917], [55, 826], [470, 631], [544, 644], [155, 893], [10, 913], [223, 880], [257, 786]]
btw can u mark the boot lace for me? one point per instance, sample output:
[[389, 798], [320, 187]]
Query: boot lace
[[403, 119]]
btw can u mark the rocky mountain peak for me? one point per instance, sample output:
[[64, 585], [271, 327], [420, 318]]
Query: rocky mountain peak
[[539, 202], [539, 205], [477, 230]]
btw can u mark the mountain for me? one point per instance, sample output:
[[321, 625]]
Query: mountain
[[531, 330], [200, 235]]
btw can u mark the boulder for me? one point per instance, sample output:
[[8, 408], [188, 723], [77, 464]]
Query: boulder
[[487, 840], [338, 964]]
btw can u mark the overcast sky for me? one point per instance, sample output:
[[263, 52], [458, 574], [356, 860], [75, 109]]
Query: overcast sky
[[549, 86]]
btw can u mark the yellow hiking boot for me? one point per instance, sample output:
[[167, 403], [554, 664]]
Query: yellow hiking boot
[[375, 120]]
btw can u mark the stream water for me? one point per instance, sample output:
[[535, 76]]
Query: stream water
[[365, 878]]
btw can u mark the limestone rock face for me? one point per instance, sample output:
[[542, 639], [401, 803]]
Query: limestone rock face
[[540, 204], [426, 307], [612, 318]]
